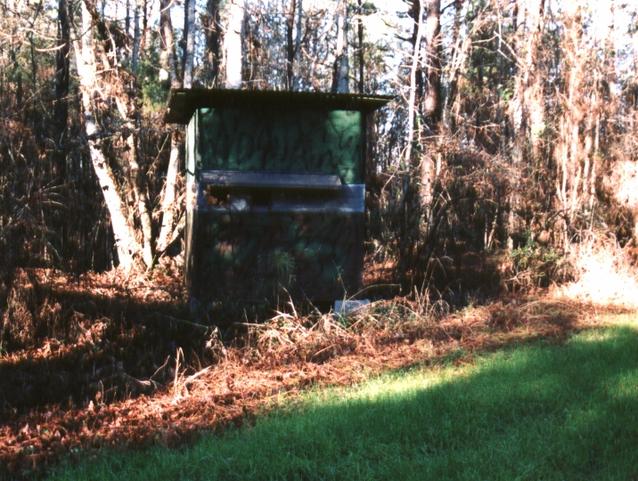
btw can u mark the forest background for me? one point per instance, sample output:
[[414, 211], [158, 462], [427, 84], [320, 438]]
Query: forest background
[[511, 140], [506, 163]]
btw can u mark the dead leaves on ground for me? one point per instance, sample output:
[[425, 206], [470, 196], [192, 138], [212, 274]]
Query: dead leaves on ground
[[275, 361]]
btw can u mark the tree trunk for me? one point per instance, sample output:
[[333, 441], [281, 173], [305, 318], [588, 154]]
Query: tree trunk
[[432, 35], [411, 203], [233, 44], [189, 43], [127, 18], [527, 106], [341, 67], [135, 54], [213, 41], [123, 232], [298, 33], [415, 72], [169, 207], [528, 103], [61, 108], [361, 51], [454, 68], [569, 148], [168, 60], [290, 45], [168, 203], [136, 180]]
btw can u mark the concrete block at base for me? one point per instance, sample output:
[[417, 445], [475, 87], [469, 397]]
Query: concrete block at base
[[343, 308]]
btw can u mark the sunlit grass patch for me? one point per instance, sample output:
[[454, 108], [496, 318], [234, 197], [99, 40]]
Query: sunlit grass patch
[[536, 412]]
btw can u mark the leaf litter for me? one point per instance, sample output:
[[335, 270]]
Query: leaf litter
[[106, 361]]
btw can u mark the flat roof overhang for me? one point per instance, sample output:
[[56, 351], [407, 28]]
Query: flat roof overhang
[[182, 103]]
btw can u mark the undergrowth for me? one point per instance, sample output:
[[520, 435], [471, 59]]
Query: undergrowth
[[318, 336], [603, 274]]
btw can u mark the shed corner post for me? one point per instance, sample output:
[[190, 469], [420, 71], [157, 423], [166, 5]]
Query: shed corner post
[[192, 194]]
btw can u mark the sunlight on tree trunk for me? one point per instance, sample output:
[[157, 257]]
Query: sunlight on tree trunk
[[233, 43], [125, 243], [290, 44], [189, 44], [568, 150], [136, 180], [168, 202], [430, 165], [168, 60]]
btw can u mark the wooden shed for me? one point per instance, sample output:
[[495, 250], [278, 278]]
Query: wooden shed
[[275, 192]]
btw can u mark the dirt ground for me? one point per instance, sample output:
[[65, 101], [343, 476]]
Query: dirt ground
[[98, 360]]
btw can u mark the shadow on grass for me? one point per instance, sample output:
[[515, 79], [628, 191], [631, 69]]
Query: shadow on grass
[[536, 412]]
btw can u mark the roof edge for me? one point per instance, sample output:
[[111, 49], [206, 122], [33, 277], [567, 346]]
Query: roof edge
[[183, 102]]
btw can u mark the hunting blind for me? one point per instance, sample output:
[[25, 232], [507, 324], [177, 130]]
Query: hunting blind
[[275, 186]]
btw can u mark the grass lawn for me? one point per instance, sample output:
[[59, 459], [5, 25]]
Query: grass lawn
[[535, 412]]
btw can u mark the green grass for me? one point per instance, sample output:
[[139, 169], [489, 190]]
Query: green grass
[[536, 412]]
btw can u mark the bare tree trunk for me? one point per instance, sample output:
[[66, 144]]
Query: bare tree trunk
[[169, 207], [127, 246], [527, 109], [429, 166], [213, 41], [127, 18], [432, 99], [233, 43], [168, 203], [168, 59], [61, 113], [454, 68], [361, 51], [124, 91], [341, 67], [135, 54], [136, 180], [411, 202], [426, 103], [146, 33], [298, 34], [290, 46], [62, 88], [189, 44], [413, 97]]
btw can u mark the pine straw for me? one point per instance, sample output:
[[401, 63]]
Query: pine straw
[[279, 360]]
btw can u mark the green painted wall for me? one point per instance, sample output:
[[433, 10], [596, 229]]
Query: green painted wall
[[261, 256], [302, 140], [254, 257]]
